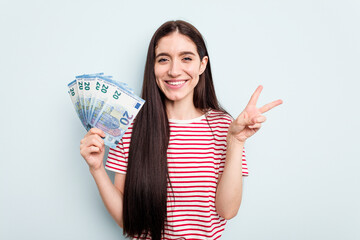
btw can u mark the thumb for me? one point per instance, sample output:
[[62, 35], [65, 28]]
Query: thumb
[[244, 119]]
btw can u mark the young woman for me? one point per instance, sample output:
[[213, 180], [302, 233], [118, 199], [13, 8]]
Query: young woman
[[179, 167]]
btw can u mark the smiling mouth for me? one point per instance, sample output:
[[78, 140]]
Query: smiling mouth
[[176, 83]]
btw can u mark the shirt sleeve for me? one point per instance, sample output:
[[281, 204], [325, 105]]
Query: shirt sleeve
[[117, 159], [245, 171]]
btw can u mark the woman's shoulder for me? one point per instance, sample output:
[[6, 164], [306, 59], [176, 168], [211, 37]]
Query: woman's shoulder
[[214, 115]]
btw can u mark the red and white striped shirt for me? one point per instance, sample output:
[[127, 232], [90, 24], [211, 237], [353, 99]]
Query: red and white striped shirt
[[196, 157]]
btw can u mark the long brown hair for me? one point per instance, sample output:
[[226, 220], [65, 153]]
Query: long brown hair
[[145, 193]]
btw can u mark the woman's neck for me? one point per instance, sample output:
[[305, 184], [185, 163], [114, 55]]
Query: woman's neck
[[181, 110]]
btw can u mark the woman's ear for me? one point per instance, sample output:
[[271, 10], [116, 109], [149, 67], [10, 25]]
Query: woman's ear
[[203, 64]]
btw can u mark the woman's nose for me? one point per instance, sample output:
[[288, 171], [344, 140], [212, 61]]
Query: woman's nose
[[174, 68]]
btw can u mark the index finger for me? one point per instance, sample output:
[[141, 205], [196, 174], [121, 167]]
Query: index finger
[[97, 131], [254, 98]]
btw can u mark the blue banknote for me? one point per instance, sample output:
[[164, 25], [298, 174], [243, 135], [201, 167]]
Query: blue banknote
[[118, 112], [74, 95], [104, 103]]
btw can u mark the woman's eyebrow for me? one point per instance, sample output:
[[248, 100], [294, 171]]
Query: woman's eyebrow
[[162, 54], [180, 54], [186, 53]]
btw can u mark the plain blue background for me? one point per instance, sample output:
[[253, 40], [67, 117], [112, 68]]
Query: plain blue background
[[304, 162]]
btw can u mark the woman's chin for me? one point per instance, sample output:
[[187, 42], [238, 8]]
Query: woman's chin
[[175, 98]]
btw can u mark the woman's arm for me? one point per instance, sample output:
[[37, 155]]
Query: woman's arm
[[111, 194], [92, 149], [229, 188]]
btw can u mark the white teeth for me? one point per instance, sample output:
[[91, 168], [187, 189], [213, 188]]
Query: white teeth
[[175, 83]]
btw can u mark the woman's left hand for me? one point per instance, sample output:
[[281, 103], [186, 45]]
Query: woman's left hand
[[250, 120]]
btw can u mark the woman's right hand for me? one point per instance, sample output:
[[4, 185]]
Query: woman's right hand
[[92, 148]]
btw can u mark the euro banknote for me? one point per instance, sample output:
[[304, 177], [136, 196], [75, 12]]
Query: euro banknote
[[104, 103]]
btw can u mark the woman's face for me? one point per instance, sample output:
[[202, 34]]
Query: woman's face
[[178, 66]]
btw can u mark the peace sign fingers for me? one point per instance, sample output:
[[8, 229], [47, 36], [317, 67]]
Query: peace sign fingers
[[250, 119], [254, 98]]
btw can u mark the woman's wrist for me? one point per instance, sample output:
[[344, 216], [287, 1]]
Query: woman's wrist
[[231, 140], [96, 170], [234, 148]]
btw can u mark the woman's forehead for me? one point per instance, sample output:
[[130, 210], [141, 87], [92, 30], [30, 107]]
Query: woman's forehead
[[175, 43]]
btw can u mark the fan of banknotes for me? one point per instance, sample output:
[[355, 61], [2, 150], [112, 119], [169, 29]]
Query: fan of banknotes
[[104, 103]]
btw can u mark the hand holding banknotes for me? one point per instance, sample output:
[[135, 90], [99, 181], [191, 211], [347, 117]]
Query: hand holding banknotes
[[250, 120], [92, 148]]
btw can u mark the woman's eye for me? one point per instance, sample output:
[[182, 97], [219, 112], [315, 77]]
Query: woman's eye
[[162, 60]]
